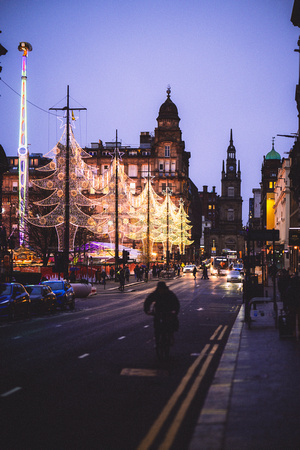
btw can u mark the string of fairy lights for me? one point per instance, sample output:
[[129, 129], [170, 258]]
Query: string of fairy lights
[[168, 224]]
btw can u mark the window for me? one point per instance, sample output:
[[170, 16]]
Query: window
[[230, 215], [161, 166], [132, 170], [132, 188], [167, 167], [272, 184], [145, 170], [231, 191], [15, 186], [173, 167], [167, 151]]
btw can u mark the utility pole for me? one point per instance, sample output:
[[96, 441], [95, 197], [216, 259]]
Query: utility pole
[[148, 219], [117, 208], [67, 185]]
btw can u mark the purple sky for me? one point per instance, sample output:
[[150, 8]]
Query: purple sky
[[230, 64]]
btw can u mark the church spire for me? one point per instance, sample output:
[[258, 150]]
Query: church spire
[[231, 148]]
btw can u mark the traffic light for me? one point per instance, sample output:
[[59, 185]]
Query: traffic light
[[11, 242], [58, 262], [125, 256], [6, 262]]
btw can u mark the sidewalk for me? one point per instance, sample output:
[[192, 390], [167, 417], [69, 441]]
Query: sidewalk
[[254, 400]]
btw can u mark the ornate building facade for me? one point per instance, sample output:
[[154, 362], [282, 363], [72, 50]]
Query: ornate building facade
[[161, 155], [227, 235]]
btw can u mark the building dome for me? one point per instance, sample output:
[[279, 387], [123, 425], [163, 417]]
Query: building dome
[[168, 109], [273, 154]]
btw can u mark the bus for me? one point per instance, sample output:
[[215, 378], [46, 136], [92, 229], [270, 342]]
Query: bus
[[219, 265]]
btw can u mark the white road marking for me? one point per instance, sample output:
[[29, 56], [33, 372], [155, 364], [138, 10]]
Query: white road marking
[[121, 337], [12, 391], [144, 372], [17, 337], [83, 356]]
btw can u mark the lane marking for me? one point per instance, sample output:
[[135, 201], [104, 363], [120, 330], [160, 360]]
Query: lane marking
[[222, 333], [215, 333], [121, 337], [12, 391], [17, 337], [83, 356], [154, 430], [173, 430], [144, 372]]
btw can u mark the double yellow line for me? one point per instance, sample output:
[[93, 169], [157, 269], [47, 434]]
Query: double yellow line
[[173, 430]]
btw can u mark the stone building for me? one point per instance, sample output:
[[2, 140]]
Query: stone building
[[227, 234], [162, 154]]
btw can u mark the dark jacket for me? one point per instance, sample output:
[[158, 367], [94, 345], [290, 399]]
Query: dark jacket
[[165, 301]]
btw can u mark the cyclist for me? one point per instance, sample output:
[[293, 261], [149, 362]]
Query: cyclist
[[165, 302]]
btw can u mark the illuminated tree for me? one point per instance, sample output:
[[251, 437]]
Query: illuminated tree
[[82, 177]]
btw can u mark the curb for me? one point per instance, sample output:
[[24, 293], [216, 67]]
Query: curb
[[211, 424]]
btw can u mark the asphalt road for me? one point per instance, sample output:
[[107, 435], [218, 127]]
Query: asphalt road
[[90, 379]]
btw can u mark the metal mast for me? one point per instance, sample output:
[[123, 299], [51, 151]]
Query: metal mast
[[23, 152], [67, 185], [117, 208]]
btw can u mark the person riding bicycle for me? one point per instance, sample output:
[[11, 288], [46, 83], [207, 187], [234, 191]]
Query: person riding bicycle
[[165, 302]]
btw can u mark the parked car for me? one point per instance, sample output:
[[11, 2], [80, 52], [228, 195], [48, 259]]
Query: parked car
[[64, 292], [188, 268], [14, 300], [235, 276], [42, 298]]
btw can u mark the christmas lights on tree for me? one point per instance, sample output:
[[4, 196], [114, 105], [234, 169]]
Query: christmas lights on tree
[[82, 177], [147, 217]]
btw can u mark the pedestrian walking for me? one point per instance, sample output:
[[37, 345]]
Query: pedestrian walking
[[121, 274], [103, 278], [195, 272]]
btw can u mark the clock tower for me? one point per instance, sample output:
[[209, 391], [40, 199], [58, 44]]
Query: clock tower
[[231, 200], [227, 236]]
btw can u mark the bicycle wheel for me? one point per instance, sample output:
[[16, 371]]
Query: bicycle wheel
[[163, 347]]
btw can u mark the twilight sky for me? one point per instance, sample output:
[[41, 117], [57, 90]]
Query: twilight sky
[[230, 64]]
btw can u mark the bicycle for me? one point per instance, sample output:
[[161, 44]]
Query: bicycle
[[163, 335]]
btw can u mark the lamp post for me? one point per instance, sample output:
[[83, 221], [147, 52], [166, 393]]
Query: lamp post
[[117, 209], [148, 218]]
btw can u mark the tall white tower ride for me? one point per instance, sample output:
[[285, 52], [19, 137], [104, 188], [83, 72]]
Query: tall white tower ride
[[23, 152]]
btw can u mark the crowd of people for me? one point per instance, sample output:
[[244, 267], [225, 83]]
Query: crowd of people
[[140, 272]]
